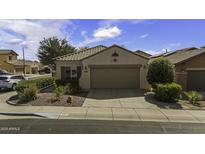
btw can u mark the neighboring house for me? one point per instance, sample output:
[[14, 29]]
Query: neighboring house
[[9, 62], [189, 67], [7, 55], [140, 52], [104, 67]]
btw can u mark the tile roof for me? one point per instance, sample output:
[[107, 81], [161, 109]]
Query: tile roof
[[181, 55], [82, 54], [20, 62], [6, 51], [92, 51]]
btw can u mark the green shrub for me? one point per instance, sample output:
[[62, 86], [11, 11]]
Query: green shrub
[[28, 94], [39, 83], [20, 88], [59, 91], [25, 84], [44, 82], [168, 92], [193, 96], [60, 82], [160, 70], [71, 86]]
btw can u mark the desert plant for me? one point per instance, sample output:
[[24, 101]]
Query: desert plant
[[71, 85], [168, 92], [69, 99], [193, 96], [160, 70], [59, 91], [28, 94]]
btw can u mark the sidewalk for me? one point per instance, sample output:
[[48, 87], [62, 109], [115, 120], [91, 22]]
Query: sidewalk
[[99, 113]]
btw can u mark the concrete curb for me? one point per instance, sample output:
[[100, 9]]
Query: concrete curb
[[37, 114], [16, 104]]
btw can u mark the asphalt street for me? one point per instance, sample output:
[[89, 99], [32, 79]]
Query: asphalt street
[[68, 126]]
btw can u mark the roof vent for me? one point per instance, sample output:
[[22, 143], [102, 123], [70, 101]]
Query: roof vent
[[115, 54], [138, 51]]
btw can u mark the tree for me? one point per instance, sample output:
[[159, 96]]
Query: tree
[[160, 70], [53, 47]]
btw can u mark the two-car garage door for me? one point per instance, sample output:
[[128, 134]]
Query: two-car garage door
[[115, 77], [196, 80]]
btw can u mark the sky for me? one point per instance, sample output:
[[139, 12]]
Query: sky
[[152, 36]]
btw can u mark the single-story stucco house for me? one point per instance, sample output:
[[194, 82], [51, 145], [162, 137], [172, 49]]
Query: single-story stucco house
[[104, 67], [189, 67], [117, 67]]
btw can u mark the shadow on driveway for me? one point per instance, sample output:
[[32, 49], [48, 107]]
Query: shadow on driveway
[[149, 98]]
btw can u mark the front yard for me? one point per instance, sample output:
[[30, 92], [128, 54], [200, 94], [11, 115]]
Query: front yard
[[45, 99], [45, 92]]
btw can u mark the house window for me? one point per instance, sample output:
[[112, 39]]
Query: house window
[[74, 73], [65, 73], [10, 57]]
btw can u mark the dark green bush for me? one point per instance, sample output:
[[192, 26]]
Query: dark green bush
[[160, 70], [28, 94], [168, 92]]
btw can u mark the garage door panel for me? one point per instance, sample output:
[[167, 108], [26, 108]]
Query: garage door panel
[[115, 77], [196, 80]]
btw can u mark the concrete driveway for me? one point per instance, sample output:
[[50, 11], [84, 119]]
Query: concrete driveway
[[118, 98]]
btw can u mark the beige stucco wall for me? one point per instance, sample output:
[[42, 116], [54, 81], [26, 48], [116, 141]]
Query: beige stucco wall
[[105, 58]]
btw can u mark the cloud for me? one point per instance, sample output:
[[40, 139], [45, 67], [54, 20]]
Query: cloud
[[174, 44], [113, 22], [152, 52], [99, 35], [107, 32], [83, 33], [28, 33], [15, 41], [143, 36]]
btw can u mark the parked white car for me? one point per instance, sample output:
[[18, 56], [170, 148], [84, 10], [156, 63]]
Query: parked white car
[[4, 72], [10, 81]]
